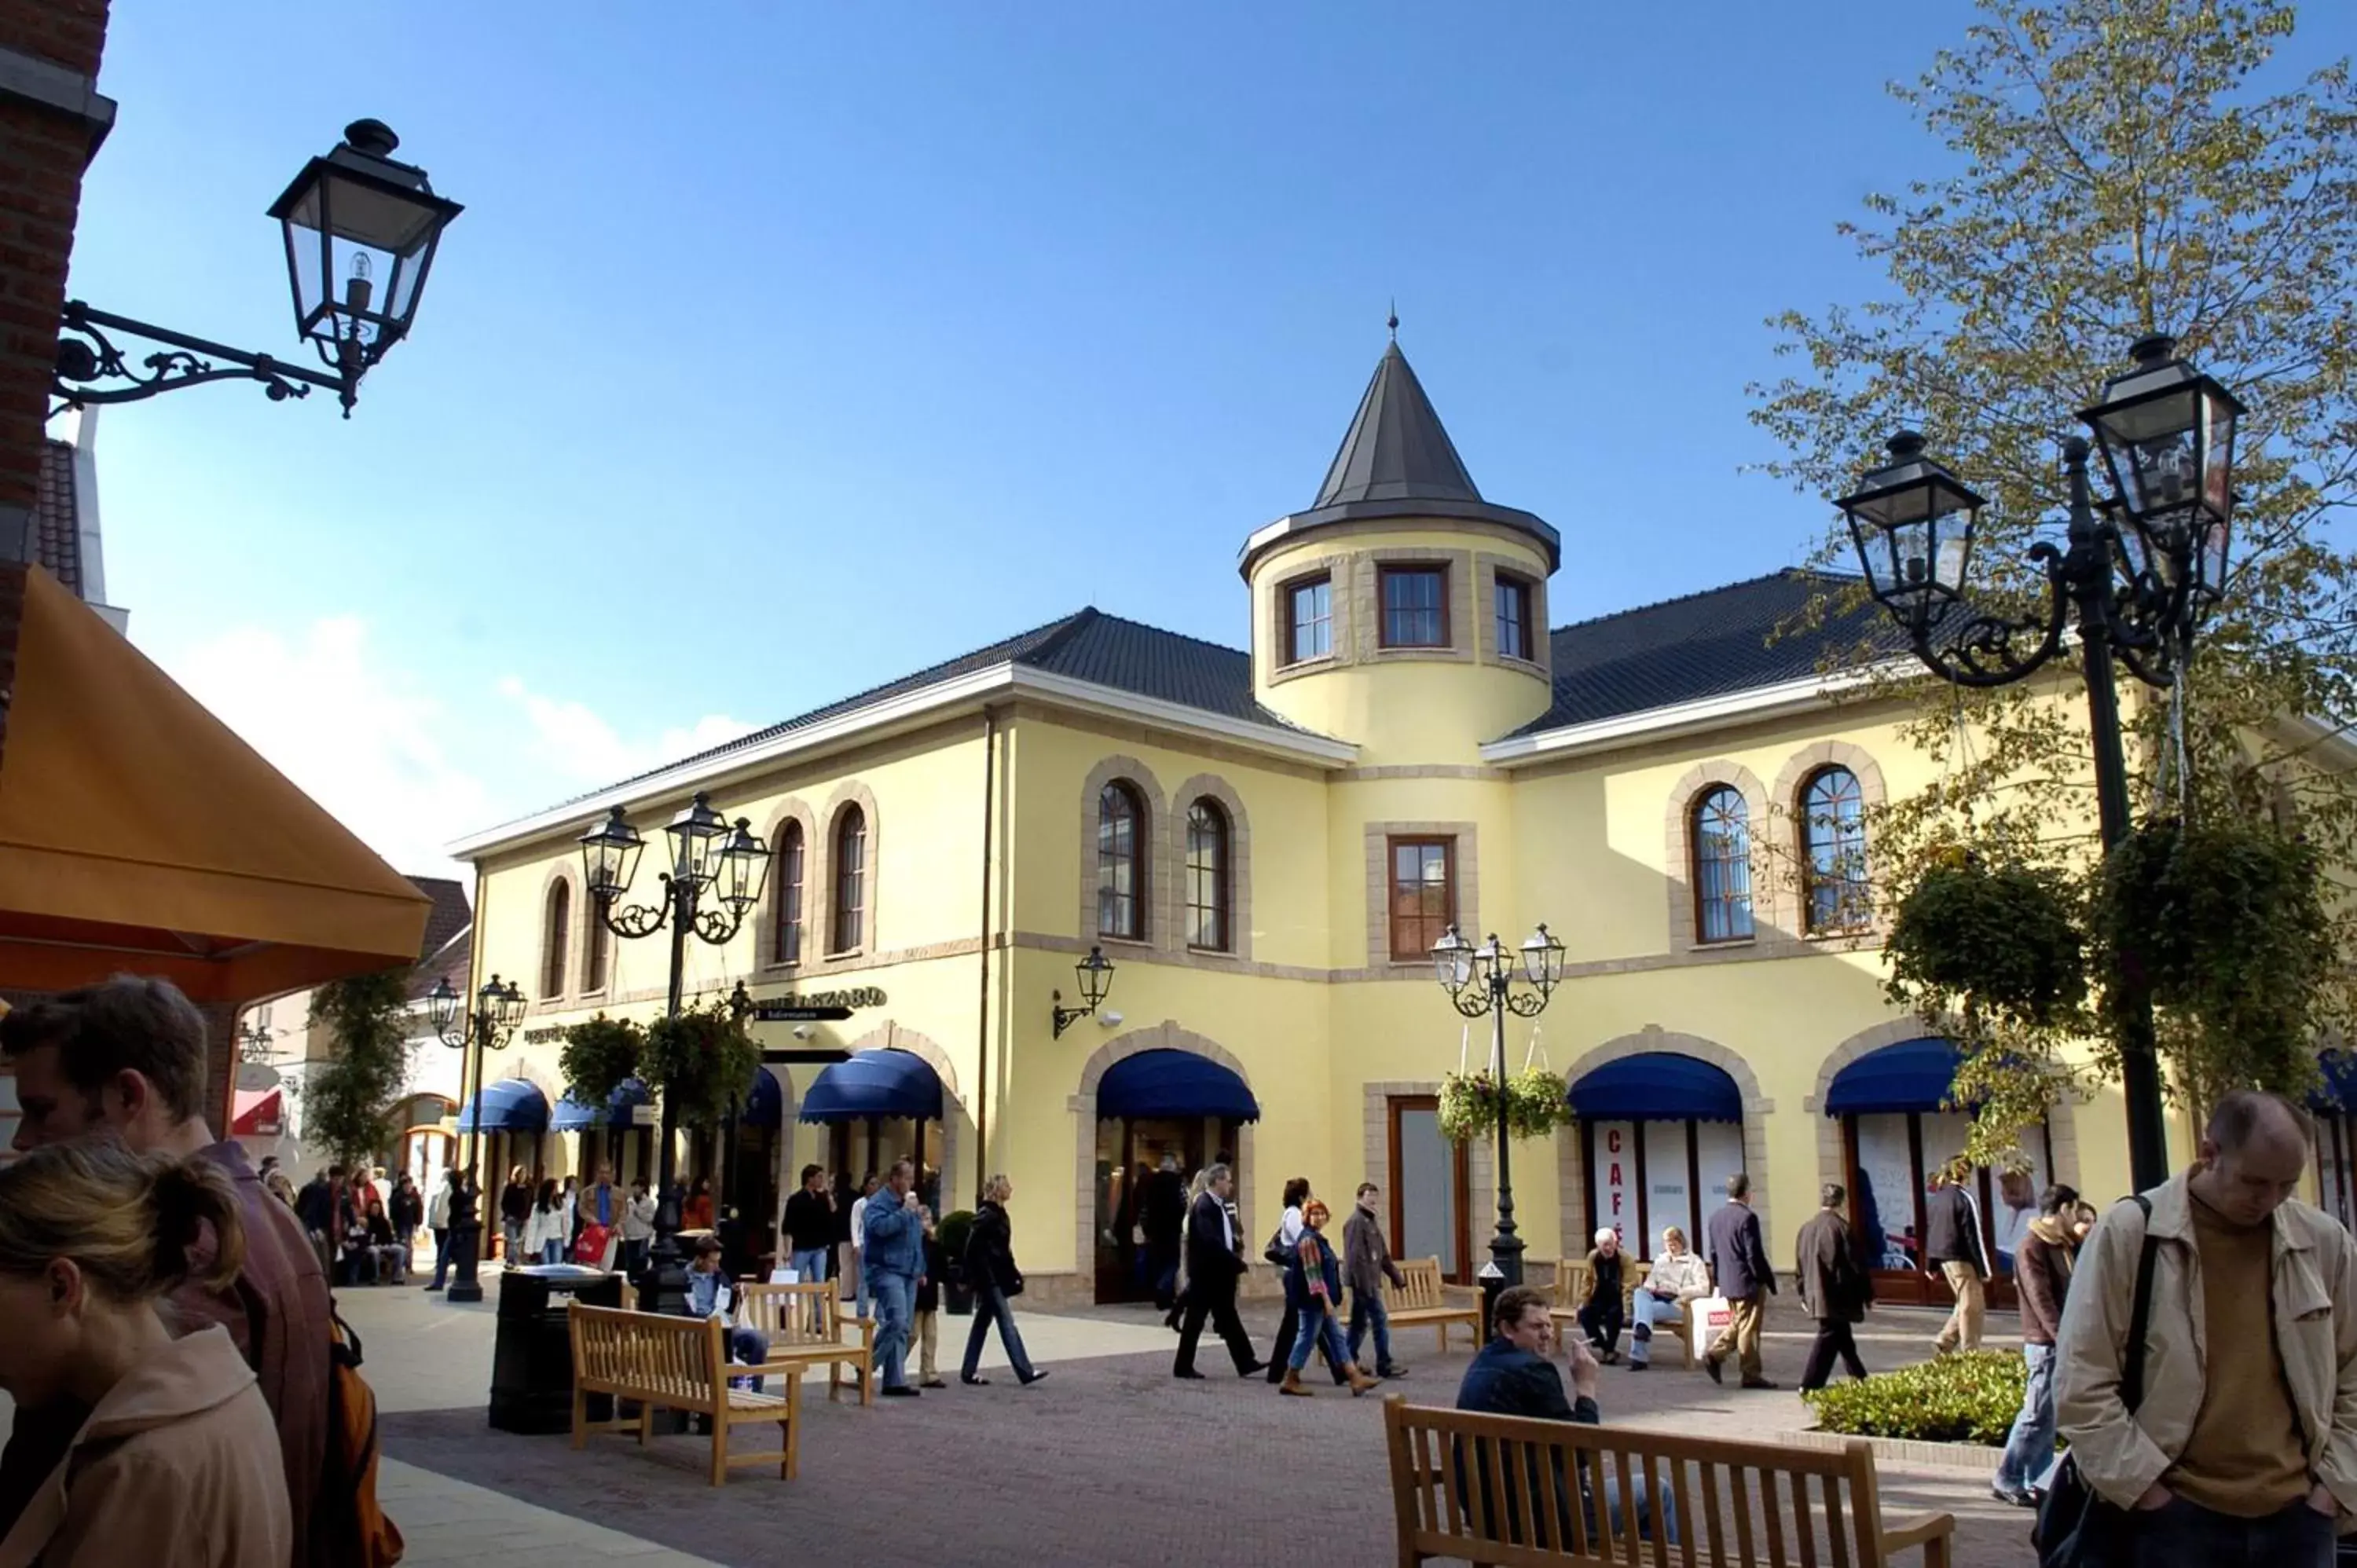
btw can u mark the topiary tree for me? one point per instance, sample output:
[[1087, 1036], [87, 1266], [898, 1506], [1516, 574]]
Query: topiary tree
[[349, 1099]]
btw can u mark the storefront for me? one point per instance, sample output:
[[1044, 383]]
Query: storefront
[[880, 1107], [514, 1114], [1659, 1134], [1896, 1133], [2335, 1105], [1155, 1106]]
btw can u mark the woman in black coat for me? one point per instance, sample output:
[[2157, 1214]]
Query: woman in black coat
[[991, 1274]]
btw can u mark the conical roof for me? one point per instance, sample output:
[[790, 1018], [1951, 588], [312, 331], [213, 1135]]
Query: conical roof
[[1396, 449]]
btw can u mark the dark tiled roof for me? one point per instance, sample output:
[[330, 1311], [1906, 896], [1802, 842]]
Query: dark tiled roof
[[449, 915], [448, 962], [1396, 449], [56, 529], [1704, 644]]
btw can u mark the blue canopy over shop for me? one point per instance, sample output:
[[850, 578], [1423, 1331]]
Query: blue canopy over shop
[[875, 1084], [1174, 1083], [622, 1105], [573, 1116], [2337, 1095], [765, 1102], [1658, 1086], [511, 1105], [1914, 1075]]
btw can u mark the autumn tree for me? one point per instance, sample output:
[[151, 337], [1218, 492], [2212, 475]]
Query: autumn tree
[[2100, 169]]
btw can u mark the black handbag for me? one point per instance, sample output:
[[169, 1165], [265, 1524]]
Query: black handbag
[[2077, 1525], [1278, 1252]]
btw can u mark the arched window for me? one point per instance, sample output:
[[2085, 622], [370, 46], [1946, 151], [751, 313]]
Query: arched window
[[786, 940], [1207, 875], [1834, 893], [1120, 870], [850, 879], [554, 939], [594, 954], [1721, 835]]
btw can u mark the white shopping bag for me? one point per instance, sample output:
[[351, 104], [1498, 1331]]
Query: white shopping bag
[[1711, 1318], [784, 1277]]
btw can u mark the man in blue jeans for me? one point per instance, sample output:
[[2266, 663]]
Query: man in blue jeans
[[2041, 1274], [810, 1231], [891, 1265], [1366, 1265]]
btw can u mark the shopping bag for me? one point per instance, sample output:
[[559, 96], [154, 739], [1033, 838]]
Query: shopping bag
[[1712, 1316]]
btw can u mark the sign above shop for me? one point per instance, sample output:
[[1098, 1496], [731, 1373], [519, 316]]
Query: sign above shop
[[818, 1006], [545, 1033], [785, 1013]]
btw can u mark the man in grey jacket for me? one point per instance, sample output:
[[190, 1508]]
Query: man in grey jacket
[[1739, 1261], [1366, 1265]]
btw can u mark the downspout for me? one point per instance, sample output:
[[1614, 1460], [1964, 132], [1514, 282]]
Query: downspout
[[982, 1093]]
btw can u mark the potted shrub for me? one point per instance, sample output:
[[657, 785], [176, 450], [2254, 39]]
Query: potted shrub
[[952, 1231]]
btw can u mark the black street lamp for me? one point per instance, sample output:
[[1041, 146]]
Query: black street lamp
[[707, 856], [1096, 973], [1482, 980], [498, 1009], [2141, 592], [255, 1044], [360, 230]]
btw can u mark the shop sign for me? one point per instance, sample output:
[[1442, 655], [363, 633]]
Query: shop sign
[[818, 1006], [543, 1035]]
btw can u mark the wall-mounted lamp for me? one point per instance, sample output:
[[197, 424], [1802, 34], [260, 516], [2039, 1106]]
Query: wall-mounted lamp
[[1097, 979]]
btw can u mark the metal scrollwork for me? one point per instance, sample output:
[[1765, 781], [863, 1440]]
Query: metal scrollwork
[[92, 368]]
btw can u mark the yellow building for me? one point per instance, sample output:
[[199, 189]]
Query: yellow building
[[1266, 845]]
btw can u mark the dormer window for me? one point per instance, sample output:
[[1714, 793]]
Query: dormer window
[[1415, 607], [1308, 619]]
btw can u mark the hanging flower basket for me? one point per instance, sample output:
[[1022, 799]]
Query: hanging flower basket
[[598, 1054], [1999, 939], [1469, 1105], [1534, 1103], [703, 1060]]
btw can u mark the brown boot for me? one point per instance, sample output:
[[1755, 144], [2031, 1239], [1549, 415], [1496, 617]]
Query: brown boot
[[1292, 1384], [1361, 1382]]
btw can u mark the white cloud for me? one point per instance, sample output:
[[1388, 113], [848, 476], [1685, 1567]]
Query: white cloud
[[576, 743], [361, 740]]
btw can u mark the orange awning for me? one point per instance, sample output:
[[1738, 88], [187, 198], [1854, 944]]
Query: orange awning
[[138, 833]]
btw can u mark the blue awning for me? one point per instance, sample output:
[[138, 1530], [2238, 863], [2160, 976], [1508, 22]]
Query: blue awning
[[765, 1106], [1659, 1086], [572, 1116], [511, 1105], [1912, 1076], [627, 1096], [2338, 1094], [875, 1083], [1174, 1083]]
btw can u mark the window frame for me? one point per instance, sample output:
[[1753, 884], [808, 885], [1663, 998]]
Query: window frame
[[1860, 906], [1741, 859], [1292, 621], [1221, 877], [848, 872], [788, 919], [1385, 573], [1524, 594], [597, 956], [555, 937], [1393, 844], [1139, 861]]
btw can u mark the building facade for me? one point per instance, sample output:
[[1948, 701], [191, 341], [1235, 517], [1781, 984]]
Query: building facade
[[1267, 843]]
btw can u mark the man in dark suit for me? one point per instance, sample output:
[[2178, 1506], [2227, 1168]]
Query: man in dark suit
[[1739, 1262], [1213, 1266]]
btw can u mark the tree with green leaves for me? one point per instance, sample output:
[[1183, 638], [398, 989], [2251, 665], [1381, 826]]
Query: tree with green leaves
[[2103, 169], [349, 1099]]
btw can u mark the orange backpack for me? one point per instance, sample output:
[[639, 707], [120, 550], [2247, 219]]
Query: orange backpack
[[348, 1526]]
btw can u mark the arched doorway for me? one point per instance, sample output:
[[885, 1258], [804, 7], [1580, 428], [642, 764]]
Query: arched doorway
[[880, 1107], [1897, 1128], [427, 1146], [1162, 1115], [1660, 1132]]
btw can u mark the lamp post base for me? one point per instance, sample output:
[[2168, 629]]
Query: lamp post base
[[1506, 1257], [465, 1248]]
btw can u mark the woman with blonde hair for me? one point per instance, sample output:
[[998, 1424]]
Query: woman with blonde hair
[[1677, 1277], [1195, 1190], [991, 1274], [178, 1466]]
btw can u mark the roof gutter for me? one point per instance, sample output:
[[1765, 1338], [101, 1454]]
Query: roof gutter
[[1620, 731], [894, 715]]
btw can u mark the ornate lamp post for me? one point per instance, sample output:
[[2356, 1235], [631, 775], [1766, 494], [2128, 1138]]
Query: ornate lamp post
[[498, 1008], [2139, 593], [1482, 980], [707, 857], [360, 230], [1095, 972]]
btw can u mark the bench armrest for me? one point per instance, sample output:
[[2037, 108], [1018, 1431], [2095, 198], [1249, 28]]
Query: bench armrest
[[1917, 1530]]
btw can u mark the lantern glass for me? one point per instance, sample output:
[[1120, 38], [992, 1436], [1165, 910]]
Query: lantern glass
[[442, 1005], [610, 857], [1452, 961], [1543, 960], [1096, 974], [1490, 963], [2168, 436], [1912, 524], [504, 1002], [360, 230], [744, 867], [696, 834]]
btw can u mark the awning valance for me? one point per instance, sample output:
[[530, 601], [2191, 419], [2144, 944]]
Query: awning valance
[[572, 1116], [1658, 1086], [1912, 1076], [1174, 1083], [765, 1104], [510, 1105], [138, 833], [875, 1083]]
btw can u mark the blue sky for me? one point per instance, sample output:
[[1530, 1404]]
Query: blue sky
[[786, 349]]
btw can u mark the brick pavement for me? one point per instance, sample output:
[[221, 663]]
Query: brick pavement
[[1110, 1462]]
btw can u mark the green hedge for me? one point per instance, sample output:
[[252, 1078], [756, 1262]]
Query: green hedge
[[1969, 1398]]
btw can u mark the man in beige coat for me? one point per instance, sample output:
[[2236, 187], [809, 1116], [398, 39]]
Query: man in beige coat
[[2244, 1447]]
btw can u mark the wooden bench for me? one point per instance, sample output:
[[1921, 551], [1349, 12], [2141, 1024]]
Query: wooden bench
[[1425, 1298], [1571, 1286], [808, 1328], [678, 1363], [1732, 1504]]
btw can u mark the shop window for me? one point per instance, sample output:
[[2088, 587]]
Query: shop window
[[1835, 896], [1644, 1176], [1208, 901], [1892, 1157], [1721, 832], [1121, 863]]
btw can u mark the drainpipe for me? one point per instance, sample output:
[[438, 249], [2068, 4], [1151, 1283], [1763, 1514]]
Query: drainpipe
[[982, 1094]]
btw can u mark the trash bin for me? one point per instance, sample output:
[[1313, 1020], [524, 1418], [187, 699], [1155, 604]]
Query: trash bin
[[531, 1359]]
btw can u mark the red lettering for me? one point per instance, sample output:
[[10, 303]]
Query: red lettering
[[1616, 1207], [1615, 1177], [1612, 1140]]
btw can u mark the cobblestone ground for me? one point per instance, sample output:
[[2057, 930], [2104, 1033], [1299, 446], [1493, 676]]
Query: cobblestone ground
[[1112, 1462]]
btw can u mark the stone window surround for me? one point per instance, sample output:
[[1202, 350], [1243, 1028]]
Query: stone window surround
[[550, 998], [592, 930], [1367, 609], [1154, 851], [1341, 649], [1162, 856], [1164, 1035], [1798, 768], [1211, 787], [1464, 870], [795, 809], [820, 870], [1487, 566], [1686, 795], [1571, 1163]]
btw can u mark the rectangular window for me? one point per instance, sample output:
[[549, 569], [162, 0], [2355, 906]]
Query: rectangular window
[[1513, 597], [1309, 620], [1423, 896], [1416, 606]]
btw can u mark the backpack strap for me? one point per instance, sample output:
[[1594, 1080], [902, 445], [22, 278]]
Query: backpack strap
[[2140, 1317]]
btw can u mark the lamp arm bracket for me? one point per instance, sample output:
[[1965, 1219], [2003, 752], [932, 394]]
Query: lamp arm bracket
[[634, 920], [1984, 651], [1472, 1002], [92, 368], [1526, 1003], [718, 926]]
